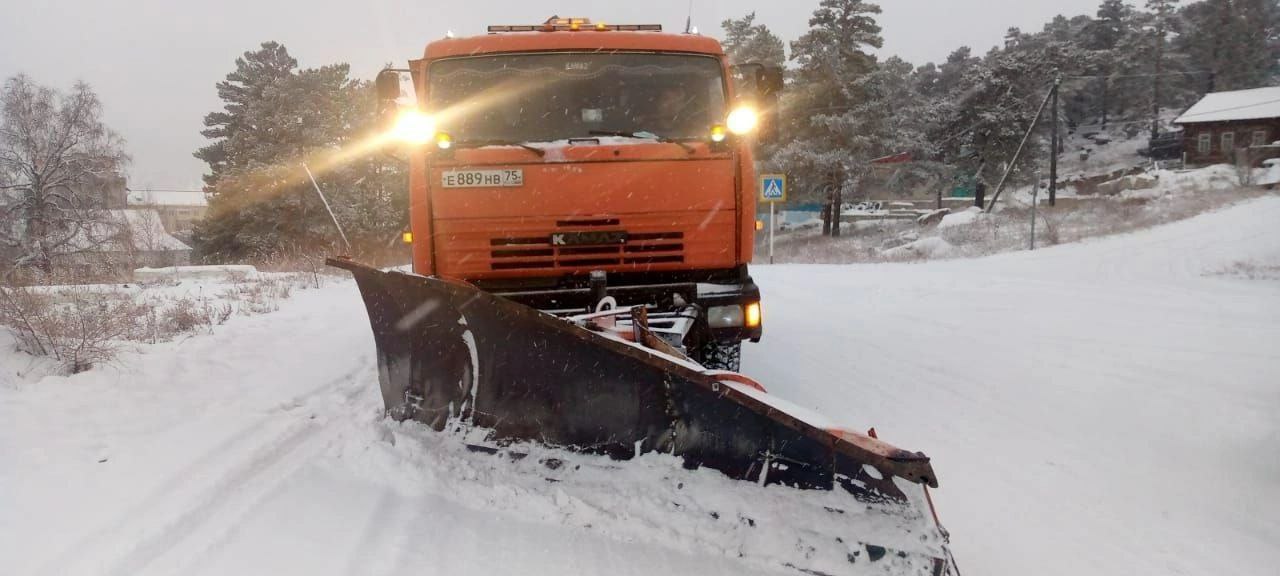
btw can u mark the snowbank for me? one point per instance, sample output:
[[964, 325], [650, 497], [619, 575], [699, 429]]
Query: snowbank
[[1103, 404], [924, 248], [218, 272], [1095, 408]]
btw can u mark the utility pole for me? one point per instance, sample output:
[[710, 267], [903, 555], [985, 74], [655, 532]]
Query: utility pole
[[1055, 142], [980, 185], [1035, 199], [837, 201], [1105, 82], [826, 211], [1018, 153], [1155, 80]]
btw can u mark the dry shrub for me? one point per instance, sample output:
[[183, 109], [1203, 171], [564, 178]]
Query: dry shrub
[[1051, 233], [83, 326], [185, 315], [263, 293], [79, 328], [1249, 270]]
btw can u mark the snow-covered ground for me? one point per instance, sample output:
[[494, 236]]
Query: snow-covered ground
[[1106, 407]]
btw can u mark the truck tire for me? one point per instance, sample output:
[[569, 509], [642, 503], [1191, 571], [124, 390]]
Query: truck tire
[[716, 355]]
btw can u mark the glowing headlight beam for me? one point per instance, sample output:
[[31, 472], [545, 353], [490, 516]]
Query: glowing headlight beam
[[742, 120], [414, 127]]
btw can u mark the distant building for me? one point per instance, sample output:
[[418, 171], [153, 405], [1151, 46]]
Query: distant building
[[178, 210], [118, 242], [108, 191], [108, 230], [1222, 124]]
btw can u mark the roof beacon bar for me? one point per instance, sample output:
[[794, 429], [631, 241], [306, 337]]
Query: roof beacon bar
[[555, 24]]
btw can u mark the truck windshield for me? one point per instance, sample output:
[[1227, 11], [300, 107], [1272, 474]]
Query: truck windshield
[[556, 96]]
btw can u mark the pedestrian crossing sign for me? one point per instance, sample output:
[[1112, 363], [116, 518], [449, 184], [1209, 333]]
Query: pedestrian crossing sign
[[773, 187]]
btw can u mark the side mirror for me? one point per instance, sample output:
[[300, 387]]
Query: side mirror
[[387, 85], [769, 82], [760, 85]]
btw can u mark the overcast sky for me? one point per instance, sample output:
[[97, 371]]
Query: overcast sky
[[155, 62]]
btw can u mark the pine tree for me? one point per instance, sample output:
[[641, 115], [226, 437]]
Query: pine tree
[[746, 41], [824, 113], [1233, 41], [255, 72], [1162, 24], [262, 203], [1102, 37], [1109, 25]]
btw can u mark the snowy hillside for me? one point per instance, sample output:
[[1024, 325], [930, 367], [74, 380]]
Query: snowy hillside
[[1104, 407]]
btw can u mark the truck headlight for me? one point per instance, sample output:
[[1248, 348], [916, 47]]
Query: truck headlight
[[724, 316], [753, 315], [742, 120], [414, 127], [718, 133]]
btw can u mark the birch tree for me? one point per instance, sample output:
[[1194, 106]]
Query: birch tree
[[52, 146]]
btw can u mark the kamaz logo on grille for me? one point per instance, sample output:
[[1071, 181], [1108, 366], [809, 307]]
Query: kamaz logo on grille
[[585, 238]]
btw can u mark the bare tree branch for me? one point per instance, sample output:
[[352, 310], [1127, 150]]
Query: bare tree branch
[[54, 148]]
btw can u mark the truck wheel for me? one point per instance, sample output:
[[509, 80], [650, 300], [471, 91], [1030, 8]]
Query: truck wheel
[[721, 355]]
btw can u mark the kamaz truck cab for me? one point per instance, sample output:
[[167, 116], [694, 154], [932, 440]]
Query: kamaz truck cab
[[575, 166]]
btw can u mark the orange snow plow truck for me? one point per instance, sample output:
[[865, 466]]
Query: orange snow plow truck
[[562, 155], [582, 215]]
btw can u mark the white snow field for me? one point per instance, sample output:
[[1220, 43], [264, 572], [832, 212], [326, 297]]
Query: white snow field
[[1108, 407]]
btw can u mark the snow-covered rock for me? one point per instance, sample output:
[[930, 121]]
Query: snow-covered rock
[[968, 216], [924, 248], [1127, 183]]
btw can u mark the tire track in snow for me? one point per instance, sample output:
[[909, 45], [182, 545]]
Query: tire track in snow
[[211, 536], [161, 529], [266, 467]]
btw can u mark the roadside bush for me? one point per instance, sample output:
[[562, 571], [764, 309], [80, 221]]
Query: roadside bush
[[186, 315], [263, 294], [78, 328]]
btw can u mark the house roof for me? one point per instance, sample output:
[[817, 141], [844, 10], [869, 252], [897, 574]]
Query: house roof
[[166, 198], [124, 230], [1251, 104]]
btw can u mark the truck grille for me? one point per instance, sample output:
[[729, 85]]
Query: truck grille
[[538, 252]]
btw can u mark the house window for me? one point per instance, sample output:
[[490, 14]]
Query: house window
[[1205, 143], [1228, 142], [1259, 137]]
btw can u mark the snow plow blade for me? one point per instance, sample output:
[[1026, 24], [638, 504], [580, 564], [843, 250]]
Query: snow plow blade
[[449, 352]]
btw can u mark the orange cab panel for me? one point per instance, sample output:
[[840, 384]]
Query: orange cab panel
[[576, 217]]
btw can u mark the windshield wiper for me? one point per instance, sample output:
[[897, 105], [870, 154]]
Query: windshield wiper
[[624, 134], [643, 135], [498, 142]]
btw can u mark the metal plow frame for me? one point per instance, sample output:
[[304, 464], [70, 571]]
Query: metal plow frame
[[448, 351]]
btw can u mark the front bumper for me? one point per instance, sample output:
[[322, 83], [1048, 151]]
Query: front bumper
[[658, 297]]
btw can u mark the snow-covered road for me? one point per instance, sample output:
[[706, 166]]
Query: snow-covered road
[[1103, 408]]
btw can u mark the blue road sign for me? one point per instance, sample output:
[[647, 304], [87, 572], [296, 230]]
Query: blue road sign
[[773, 187]]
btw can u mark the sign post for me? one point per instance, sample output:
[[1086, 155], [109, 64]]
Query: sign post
[[773, 189]]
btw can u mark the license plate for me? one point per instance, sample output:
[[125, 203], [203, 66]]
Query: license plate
[[481, 178], [581, 238]]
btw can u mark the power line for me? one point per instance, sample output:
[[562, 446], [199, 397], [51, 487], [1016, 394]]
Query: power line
[[1147, 121], [1109, 123], [1149, 75]]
